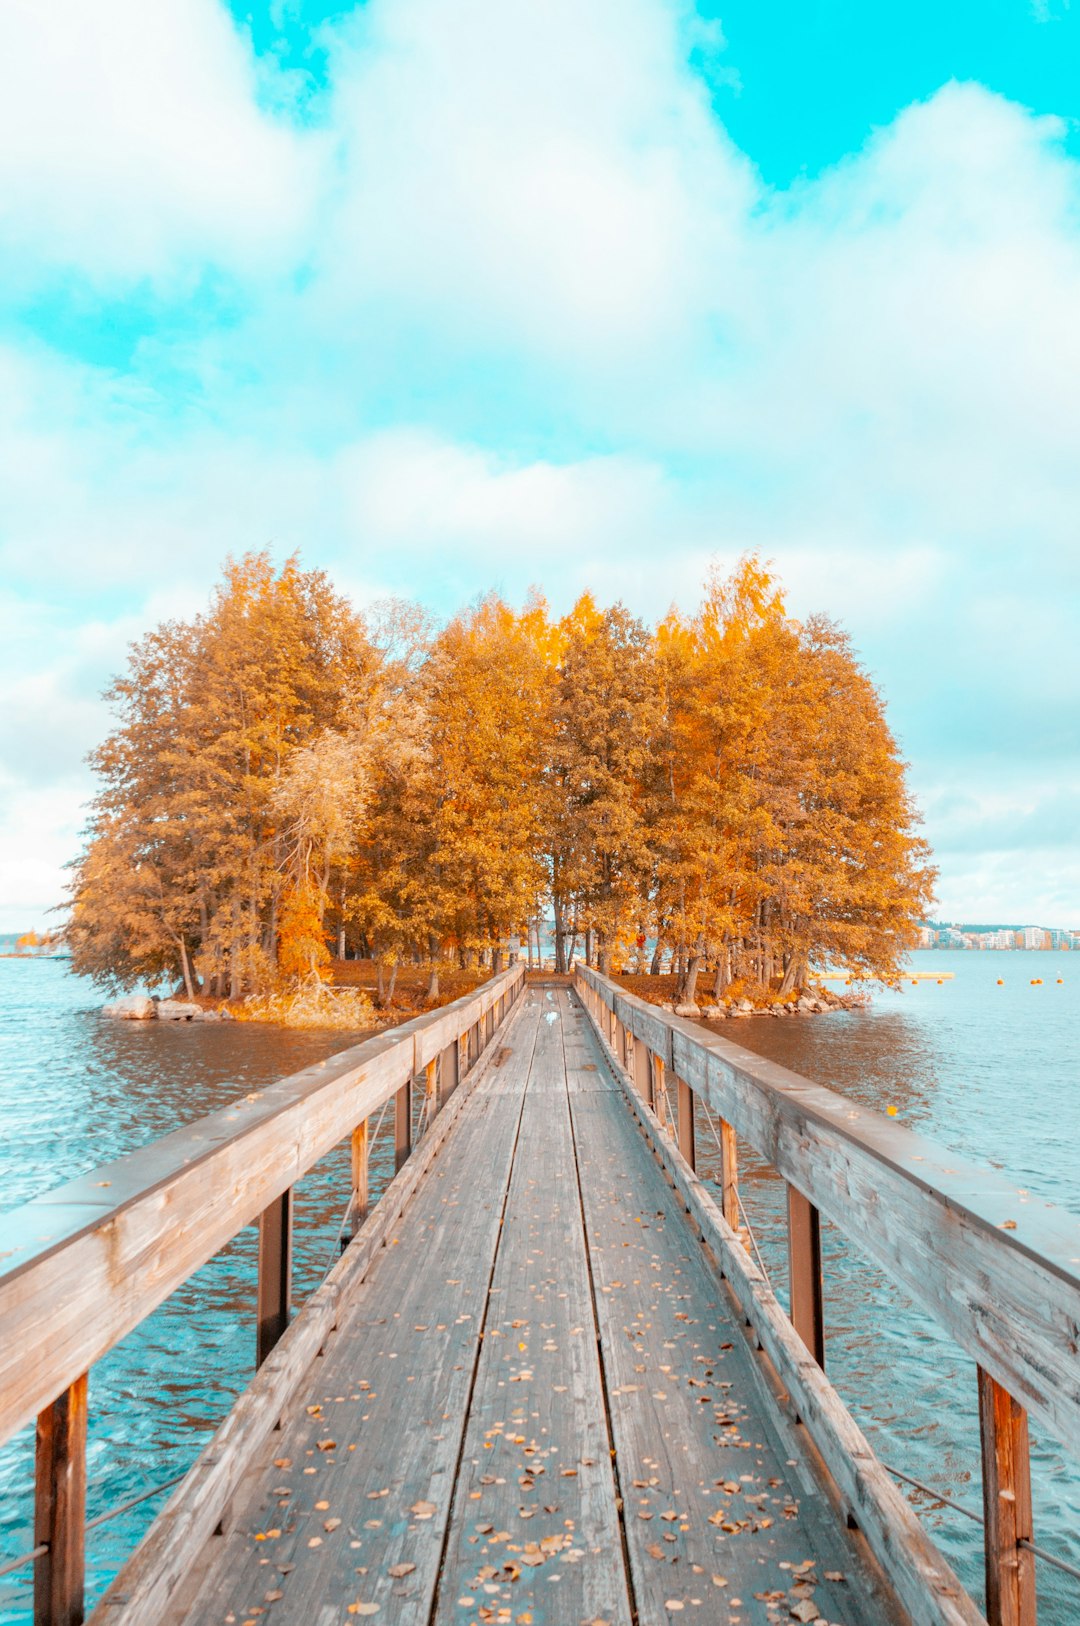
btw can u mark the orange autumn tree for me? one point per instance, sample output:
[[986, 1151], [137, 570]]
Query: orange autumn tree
[[283, 775]]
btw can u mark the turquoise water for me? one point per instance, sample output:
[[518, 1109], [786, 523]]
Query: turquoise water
[[77, 1090], [989, 1071], [993, 1073]]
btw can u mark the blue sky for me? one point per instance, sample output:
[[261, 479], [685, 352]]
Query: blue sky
[[586, 294]]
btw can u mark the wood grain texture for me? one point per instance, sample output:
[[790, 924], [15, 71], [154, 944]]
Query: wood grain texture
[[1006, 1479], [710, 1487], [181, 1549], [535, 1527], [84, 1264], [60, 1509], [998, 1269], [922, 1580]]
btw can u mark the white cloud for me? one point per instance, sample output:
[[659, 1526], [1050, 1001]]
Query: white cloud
[[611, 351], [131, 144], [548, 175]]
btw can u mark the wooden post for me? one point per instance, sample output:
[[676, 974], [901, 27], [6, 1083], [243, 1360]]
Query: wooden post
[[275, 1274], [448, 1070], [639, 1064], [462, 1048], [402, 1124], [359, 1208], [1006, 1474], [658, 1100], [60, 1509], [804, 1259], [729, 1174], [431, 1090], [686, 1121]]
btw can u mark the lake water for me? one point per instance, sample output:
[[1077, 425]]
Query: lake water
[[990, 1071]]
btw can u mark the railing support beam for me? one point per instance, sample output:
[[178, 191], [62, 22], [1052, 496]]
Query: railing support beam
[[359, 1176], [804, 1258], [402, 1124], [1006, 1474], [275, 1274], [60, 1509], [686, 1122]]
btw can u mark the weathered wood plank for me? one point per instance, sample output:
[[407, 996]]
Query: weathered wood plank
[[142, 1591], [1006, 1480], [60, 1509], [84, 1264], [273, 1298], [710, 1489], [923, 1581], [374, 1432], [939, 1226], [804, 1272], [534, 1507]]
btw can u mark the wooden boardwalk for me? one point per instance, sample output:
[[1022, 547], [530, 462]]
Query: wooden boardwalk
[[541, 1405], [546, 1384]]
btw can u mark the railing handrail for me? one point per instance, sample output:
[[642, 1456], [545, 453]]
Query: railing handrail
[[84, 1263], [1010, 1298]]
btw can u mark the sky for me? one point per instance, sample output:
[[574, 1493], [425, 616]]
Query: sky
[[588, 293]]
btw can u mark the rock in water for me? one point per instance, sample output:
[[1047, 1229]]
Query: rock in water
[[178, 1010], [136, 1008]]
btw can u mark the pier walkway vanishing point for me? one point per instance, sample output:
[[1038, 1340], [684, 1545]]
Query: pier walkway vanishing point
[[545, 1384]]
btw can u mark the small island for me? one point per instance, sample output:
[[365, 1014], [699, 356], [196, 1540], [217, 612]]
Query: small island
[[292, 787]]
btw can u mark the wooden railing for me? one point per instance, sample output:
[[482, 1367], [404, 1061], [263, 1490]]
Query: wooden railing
[[998, 1269], [82, 1265]]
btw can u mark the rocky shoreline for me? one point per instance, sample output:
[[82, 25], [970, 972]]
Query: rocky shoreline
[[147, 1008], [810, 1003]]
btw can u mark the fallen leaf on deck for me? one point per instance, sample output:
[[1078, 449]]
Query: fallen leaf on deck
[[398, 1570]]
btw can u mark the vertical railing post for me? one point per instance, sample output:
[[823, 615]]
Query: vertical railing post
[[448, 1070], [729, 1174], [1006, 1476], [432, 1100], [639, 1062], [275, 1274], [359, 1208], [462, 1055], [658, 1095], [804, 1259], [60, 1509], [685, 1097], [402, 1124]]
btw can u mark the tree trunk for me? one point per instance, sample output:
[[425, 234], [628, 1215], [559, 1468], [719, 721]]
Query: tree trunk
[[686, 987], [432, 992], [605, 960], [657, 959], [794, 975], [588, 945], [723, 972], [496, 960], [186, 968], [561, 956]]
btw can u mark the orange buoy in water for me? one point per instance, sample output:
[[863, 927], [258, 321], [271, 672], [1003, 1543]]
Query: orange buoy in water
[[1001, 982], [914, 982], [1036, 982], [1061, 979]]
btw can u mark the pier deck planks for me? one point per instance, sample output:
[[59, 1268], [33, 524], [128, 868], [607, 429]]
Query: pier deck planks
[[544, 1222]]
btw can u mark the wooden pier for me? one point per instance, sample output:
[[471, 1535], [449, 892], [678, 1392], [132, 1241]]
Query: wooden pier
[[545, 1384]]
